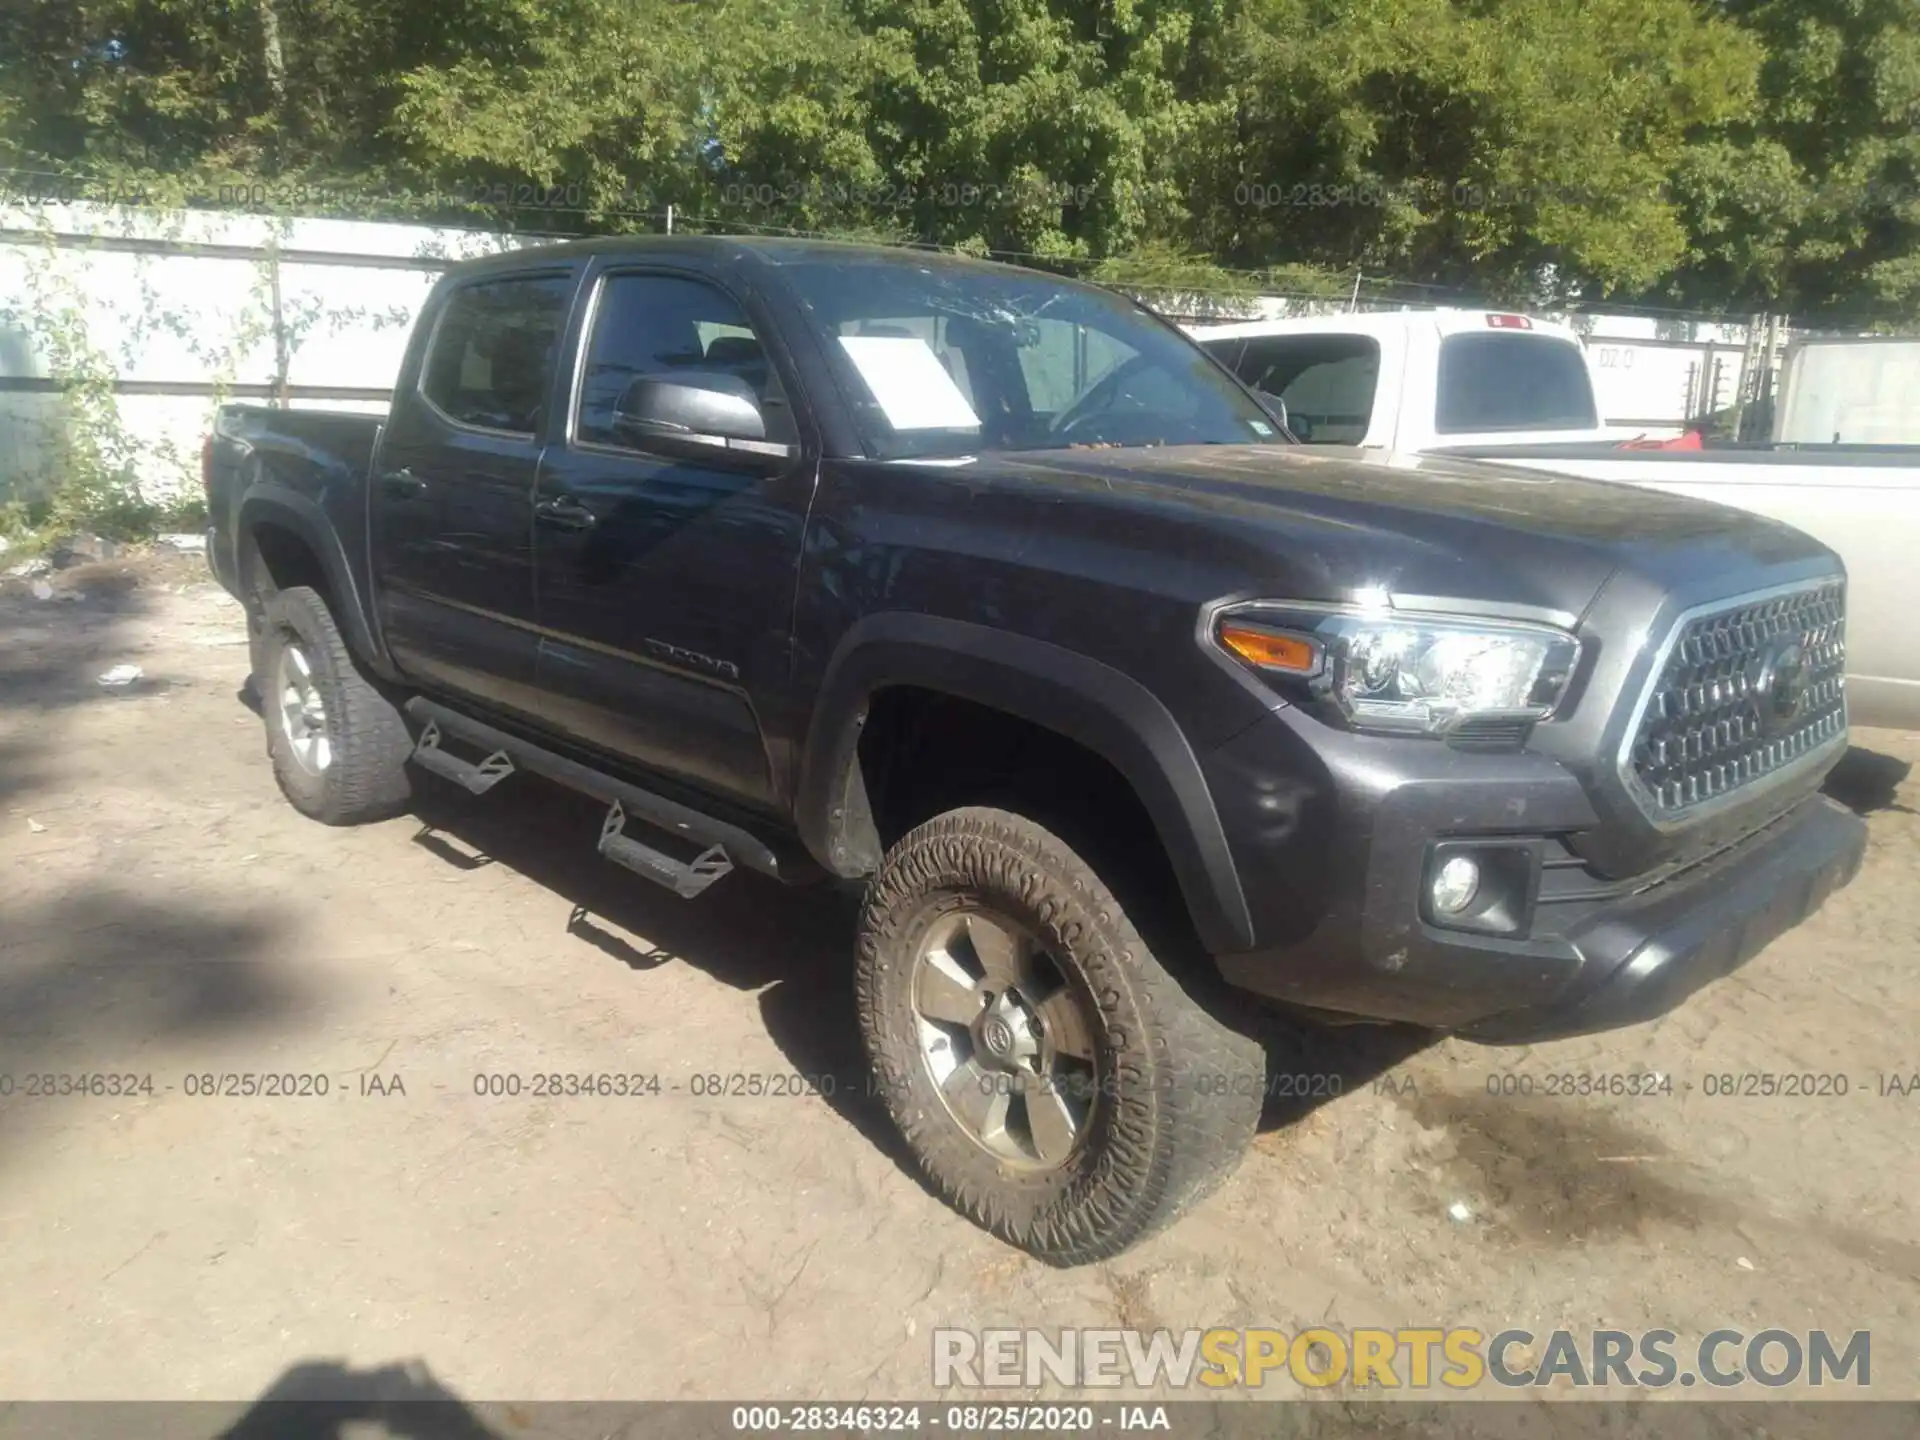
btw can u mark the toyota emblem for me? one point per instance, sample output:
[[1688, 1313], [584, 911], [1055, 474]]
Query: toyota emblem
[[1780, 684]]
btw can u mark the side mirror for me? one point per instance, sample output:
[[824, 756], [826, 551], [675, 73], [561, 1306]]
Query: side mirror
[[706, 415], [1278, 406]]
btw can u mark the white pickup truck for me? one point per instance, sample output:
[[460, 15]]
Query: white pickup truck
[[1512, 388]]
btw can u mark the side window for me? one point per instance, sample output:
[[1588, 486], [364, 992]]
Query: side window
[[660, 325], [1325, 381], [493, 352]]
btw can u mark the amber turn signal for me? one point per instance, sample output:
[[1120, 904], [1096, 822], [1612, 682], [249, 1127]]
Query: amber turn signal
[[1268, 650]]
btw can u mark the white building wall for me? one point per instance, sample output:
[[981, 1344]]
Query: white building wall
[[138, 295]]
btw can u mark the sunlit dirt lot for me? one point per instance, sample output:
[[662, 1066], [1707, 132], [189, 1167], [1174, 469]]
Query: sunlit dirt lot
[[164, 915]]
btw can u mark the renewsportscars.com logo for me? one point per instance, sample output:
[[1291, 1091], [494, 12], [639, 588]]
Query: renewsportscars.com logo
[[1455, 1358]]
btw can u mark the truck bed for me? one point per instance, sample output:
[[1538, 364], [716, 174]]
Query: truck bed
[[1861, 500], [318, 458], [334, 437]]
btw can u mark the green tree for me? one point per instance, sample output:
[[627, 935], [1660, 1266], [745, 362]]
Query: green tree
[[1036, 126], [1494, 144], [182, 94], [1722, 153], [1812, 204], [735, 113]]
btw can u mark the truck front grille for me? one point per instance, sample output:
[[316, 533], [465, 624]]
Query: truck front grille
[[1747, 687]]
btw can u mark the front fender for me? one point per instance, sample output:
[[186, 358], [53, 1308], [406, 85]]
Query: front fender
[[1099, 707]]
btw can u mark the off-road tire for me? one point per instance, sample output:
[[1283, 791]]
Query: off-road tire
[[366, 776], [1179, 1092]]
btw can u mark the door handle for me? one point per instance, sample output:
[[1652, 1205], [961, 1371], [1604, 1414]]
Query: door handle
[[563, 512], [402, 483]]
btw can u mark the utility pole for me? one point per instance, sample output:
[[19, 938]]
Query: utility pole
[[1753, 355], [1763, 384], [669, 219], [282, 356]]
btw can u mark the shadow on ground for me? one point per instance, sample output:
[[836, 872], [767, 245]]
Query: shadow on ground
[[52, 653], [327, 1400], [57, 648], [98, 972], [1865, 781], [313, 1400], [1312, 1064], [96, 986], [98, 981], [795, 946]]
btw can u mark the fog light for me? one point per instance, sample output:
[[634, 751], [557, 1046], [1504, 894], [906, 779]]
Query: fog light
[[1454, 885]]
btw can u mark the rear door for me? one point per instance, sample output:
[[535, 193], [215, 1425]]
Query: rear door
[[452, 500], [666, 583]]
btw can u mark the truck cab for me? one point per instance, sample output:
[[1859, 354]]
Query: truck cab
[[1416, 380]]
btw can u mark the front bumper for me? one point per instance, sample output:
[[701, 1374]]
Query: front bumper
[[1640, 957], [1339, 916]]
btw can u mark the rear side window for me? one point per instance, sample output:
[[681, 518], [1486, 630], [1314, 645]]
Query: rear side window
[[491, 362], [1504, 381], [1325, 381]]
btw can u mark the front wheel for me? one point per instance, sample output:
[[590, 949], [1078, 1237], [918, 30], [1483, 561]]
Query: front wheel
[[339, 747], [1054, 1081]]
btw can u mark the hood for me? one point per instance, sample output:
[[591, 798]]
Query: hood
[[1327, 523]]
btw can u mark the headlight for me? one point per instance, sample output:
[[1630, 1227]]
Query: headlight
[[1405, 673]]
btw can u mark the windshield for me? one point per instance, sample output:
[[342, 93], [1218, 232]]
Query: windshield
[[941, 361]]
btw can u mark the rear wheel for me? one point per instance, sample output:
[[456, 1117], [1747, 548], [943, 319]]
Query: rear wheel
[[1053, 1079], [339, 747]]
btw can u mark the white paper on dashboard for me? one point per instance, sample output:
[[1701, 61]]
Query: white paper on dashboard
[[909, 382]]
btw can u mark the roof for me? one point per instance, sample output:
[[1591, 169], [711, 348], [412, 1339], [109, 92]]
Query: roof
[[767, 249], [1377, 323]]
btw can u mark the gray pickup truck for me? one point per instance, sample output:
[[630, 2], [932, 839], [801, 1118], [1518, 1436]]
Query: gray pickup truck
[[995, 595]]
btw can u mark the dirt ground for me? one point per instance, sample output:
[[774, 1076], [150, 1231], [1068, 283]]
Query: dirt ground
[[164, 913]]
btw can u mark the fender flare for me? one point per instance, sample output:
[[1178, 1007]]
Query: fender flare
[[268, 502], [1089, 702]]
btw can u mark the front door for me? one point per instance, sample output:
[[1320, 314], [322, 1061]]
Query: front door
[[452, 505], [666, 584]]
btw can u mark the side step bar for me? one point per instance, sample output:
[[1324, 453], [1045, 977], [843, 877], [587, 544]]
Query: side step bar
[[726, 844], [475, 779], [685, 878]]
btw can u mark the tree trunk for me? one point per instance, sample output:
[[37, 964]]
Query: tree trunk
[[271, 53]]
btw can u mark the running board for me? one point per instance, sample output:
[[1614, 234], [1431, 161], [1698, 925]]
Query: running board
[[726, 844], [686, 878], [475, 779]]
